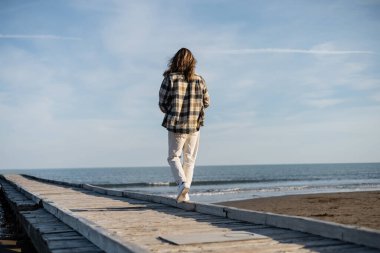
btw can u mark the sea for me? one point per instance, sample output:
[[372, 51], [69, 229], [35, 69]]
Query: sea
[[220, 183]]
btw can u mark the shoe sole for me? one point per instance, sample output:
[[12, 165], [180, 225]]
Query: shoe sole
[[181, 196]]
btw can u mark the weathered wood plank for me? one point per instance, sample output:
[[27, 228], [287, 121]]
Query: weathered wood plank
[[78, 250]]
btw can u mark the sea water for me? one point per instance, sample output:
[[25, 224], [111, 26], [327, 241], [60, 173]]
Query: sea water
[[227, 182]]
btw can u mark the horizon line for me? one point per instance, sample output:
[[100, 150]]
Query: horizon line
[[200, 165]]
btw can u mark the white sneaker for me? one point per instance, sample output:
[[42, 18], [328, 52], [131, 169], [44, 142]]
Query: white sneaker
[[182, 191], [187, 197]]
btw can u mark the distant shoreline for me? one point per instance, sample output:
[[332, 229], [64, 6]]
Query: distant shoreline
[[351, 208], [10, 169]]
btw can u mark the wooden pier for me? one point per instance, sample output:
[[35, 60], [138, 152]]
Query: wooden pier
[[61, 217]]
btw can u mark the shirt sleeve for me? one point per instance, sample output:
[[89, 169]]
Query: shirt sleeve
[[206, 96], [164, 95]]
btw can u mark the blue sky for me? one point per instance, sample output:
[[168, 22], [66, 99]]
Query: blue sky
[[290, 81]]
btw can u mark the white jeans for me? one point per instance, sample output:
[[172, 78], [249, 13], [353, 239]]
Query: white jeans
[[188, 145]]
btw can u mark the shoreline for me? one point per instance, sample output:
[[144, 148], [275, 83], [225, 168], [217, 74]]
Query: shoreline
[[359, 208]]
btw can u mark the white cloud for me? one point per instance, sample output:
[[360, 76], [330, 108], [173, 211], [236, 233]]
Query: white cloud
[[289, 51], [365, 83], [22, 71], [376, 97], [323, 103], [160, 30], [37, 37], [350, 136]]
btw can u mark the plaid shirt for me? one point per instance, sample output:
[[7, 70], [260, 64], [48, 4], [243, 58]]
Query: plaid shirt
[[183, 103]]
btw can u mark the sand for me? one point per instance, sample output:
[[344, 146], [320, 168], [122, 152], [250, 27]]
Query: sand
[[352, 208]]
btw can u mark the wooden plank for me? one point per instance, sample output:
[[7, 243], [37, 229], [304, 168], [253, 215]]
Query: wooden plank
[[78, 250], [209, 237], [339, 248], [71, 244], [62, 236]]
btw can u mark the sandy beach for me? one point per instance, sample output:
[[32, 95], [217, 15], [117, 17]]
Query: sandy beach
[[353, 208]]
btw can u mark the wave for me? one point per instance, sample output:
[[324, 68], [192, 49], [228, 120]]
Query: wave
[[151, 184], [275, 191], [205, 182]]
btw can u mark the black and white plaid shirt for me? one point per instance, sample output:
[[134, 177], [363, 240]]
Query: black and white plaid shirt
[[183, 103]]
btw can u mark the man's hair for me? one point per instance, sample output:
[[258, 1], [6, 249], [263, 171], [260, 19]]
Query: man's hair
[[182, 62]]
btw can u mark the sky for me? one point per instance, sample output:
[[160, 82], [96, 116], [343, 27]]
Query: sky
[[290, 81]]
